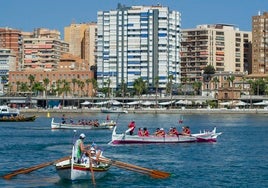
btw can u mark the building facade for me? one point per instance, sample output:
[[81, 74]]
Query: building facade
[[220, 45], [82, 40], [138, 41], [71, 71], [42, 49], [260, 44], [12, 39]]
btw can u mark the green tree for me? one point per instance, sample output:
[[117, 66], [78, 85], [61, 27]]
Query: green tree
[[139, 86], [64, 89], [94, 86], [88, 81], [209, 69], [74, 81], [37, 88], [81, 86], [169, 85], [23, 87], [31, 79], [197, 87], [17, 86], [46, 83], [156, 84]]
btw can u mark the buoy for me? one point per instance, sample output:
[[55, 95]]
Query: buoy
[[48, 115]]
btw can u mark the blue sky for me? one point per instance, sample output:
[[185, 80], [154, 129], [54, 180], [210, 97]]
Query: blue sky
[[27, 15]]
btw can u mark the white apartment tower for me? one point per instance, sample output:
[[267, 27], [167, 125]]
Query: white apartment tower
[[138, 41], [220, 45]]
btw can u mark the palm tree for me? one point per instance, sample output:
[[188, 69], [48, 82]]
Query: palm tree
[[24, 87], [58, 88], [88, 81], [74, 81], [156, 83], [169, 86], [37, 87], [94, 86], [18, 86], [81, 85], [31, 79], [108, 88], [46, 82], [139, 86], [65, 90]]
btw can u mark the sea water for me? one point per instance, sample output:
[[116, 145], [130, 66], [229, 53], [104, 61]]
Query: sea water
[[238, 159]]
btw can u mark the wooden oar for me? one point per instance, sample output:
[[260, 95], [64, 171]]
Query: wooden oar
[[33, 168], [127, 166], [91, 170]]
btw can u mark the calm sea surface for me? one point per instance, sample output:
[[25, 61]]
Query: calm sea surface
[[238, 159]]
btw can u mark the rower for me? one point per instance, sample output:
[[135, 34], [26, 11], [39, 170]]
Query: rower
[[186, 130]]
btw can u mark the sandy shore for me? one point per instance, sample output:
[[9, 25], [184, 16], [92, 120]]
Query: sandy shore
[[151, 111]]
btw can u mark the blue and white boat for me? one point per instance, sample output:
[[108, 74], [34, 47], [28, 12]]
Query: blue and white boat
[[6, 111]]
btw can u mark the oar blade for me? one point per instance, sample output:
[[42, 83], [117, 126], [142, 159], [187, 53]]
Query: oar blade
[[127, 166], [160, 174], [33, 168]]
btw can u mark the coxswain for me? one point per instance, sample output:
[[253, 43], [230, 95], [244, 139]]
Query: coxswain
[[131, 126]]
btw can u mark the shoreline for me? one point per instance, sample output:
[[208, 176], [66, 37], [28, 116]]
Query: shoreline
[[150, 111]]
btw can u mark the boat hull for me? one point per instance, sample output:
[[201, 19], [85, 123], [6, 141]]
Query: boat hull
[[80, 171], [135, 139], [105, 125], [17, 119], [114, 110]]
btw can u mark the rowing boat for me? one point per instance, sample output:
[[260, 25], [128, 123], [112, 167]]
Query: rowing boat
[[125, 138], [104, 125], [18, 118], [88, 168]]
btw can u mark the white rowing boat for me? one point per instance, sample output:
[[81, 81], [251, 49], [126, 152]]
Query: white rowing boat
[[125, 138], [103, 125], [70, 170]]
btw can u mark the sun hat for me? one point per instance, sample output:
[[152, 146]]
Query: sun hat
[[82, 135]]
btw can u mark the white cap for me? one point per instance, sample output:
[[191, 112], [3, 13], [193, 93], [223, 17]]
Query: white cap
[[82, 135], [161, 129]]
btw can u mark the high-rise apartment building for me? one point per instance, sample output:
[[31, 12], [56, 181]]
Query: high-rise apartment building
[[7, 62], [260, 44], [42, 49], [82, 40], [12, 39], [220, 45], [138, 41]]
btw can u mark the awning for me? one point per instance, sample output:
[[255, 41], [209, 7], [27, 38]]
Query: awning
[[86, 103], [166, 103]]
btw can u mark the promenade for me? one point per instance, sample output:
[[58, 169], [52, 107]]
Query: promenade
[[150, 111]]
